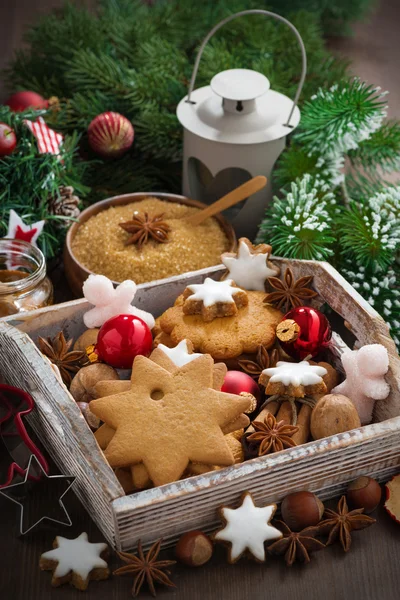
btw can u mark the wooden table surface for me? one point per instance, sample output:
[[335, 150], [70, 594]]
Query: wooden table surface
[[370, 571]]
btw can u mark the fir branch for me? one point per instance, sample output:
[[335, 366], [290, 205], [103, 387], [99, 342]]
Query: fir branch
[[381, 151], [299, 225], [371, 230], [335, 121], [380, 288]]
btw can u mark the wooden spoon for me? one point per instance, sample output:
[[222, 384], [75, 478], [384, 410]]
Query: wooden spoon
[[237, 195]]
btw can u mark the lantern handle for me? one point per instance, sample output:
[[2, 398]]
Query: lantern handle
[[255, 11]]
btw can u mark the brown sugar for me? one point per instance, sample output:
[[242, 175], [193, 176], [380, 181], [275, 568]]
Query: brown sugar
[[99, 244]]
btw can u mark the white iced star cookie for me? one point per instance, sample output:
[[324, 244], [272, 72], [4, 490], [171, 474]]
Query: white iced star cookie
[[109, 302], [294, 379], [76, 561], [250, 267], [247, 528], [180, 354], [214, 299]]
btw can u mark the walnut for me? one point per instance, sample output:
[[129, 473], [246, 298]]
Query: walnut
[[87, 338], [83, 384]]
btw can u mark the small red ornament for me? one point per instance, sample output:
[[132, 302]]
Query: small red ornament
[[110, 134], [121, 338], [22, 100], [304, 331], [8, 140], [236, 382]]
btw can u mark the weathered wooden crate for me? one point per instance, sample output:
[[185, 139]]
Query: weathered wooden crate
[[324, 466]]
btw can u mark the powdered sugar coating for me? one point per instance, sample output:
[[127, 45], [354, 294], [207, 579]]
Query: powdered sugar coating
[[248, 270], [179, 354], [109, 302], [77, 555], [211, 292], [295, 374], [247, 528], [365, 378]]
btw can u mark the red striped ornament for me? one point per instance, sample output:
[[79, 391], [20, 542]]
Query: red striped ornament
[[48, 140], [110, 134]]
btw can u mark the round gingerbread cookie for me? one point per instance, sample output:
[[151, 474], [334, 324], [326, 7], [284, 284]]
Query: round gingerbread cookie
[[225, 337]]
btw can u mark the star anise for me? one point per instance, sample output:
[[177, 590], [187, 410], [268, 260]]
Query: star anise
[[290, 293], [146, 568], [57, 350], [296, 545], [340, 524], [271, 436], [263, 360], [143, 227]]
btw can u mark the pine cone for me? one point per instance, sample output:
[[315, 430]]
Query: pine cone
[[64, 204]]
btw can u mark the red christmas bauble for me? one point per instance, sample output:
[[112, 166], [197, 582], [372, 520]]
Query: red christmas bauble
[[22, 100], [110, 134], [121, 338], [236, 382], [313, 332], [8, 140]]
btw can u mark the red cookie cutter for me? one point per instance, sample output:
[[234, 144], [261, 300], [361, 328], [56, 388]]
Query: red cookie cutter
[[14, 405]]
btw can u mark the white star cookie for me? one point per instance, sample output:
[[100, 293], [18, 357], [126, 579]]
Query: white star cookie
[[180, 354], [109, 302], [250, 267], [301, 373], [247, 528], [76, 560], [214, 299], [294, 379]]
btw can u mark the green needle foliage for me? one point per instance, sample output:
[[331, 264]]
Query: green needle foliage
[[28, 179], [360, 233], [136, 59]]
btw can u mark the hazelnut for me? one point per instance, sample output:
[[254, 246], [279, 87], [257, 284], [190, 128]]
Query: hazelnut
[[333, 413], [87, 338], [365, 493], [91, 419], [301, 509], [194, 549], [83, 384]]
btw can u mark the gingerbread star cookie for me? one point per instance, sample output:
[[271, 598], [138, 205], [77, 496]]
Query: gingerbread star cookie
[[76, 561], [250, 267], [247, 528], [170, 359], [168, 418], [213, 299], [252, 326], [294, 379]]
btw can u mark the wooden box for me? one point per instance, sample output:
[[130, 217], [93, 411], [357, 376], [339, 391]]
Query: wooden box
[[324, 466]]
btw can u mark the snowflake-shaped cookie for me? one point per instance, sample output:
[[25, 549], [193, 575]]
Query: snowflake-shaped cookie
[[76, 560], [214, 299], [247, 528], [250, 267], [294, 379]]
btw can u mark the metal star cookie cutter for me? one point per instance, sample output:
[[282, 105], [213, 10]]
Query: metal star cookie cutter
[[34, 464]]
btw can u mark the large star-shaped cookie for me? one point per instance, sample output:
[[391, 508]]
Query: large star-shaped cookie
[[168, 419]]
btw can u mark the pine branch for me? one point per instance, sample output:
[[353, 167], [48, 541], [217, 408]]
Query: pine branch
[[370, 230], [299, 225], [335, 121], [381, 151]]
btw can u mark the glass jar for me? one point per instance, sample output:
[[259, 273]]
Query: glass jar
[[23, 282]]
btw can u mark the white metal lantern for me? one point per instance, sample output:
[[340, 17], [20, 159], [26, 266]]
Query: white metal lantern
[[235, 129]]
